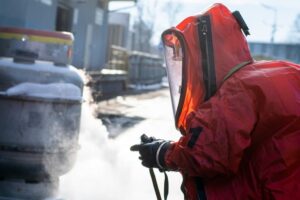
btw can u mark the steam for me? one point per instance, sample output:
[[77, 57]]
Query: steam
[[105, 168], [100, 171]]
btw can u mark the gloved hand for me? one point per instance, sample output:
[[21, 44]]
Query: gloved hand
[[152, 151]]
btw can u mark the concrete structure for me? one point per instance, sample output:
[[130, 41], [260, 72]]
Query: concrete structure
[[86, 19], [282, 51]]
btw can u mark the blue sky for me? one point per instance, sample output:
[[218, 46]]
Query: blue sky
[[258, 18]]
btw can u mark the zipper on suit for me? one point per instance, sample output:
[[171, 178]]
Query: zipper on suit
[[207, 58]]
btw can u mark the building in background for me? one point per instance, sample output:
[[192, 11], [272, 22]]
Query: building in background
[[86, 19], [281, 51], [118, 31]]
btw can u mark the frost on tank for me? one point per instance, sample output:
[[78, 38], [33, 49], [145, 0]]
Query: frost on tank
[[65, 91], [42, 66]]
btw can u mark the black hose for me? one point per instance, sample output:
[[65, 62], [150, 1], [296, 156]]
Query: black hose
[[153, 178]]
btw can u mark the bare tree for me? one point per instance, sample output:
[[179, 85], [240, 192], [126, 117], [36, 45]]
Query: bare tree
[[172, 8], [144, 24], [148, 17]]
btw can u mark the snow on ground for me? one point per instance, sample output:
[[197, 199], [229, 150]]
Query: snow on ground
[[105, 168]]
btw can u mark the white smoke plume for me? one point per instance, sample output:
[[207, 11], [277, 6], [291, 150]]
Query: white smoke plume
[[106, 169]]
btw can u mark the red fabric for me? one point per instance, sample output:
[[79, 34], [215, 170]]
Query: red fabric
[[249, 146], [230, 48]]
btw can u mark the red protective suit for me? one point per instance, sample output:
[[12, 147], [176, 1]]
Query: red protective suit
[[241, 135]]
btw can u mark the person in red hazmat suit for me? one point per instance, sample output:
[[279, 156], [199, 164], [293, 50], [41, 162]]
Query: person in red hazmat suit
[[239, 118]]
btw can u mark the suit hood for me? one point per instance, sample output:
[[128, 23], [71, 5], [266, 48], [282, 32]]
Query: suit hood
[[200, 52]]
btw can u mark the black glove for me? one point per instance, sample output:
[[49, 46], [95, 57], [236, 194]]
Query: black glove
[[152, 151]]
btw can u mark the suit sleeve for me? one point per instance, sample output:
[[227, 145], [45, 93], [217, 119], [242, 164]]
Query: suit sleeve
[[218, 133]]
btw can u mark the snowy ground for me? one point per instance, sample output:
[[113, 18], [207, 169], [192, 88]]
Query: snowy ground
[[105, 168]]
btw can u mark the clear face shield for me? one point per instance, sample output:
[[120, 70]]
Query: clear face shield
[[174, 60]]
